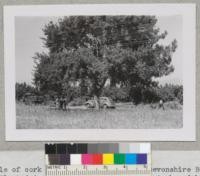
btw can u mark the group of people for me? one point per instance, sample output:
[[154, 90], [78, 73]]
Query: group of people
[[61, 103]]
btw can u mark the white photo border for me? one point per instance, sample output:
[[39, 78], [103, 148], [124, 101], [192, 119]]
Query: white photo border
[[187, 133]]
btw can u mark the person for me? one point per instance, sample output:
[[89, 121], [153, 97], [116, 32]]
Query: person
[[65, 103], [161, 104], [61, 103], [96, 102], [57, 103]]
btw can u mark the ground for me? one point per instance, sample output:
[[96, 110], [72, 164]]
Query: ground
[[124, 116]]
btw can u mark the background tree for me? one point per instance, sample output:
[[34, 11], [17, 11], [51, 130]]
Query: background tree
[[89, 51], [22, 89]]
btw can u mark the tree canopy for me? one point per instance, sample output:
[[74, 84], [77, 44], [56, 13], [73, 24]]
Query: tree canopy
[[90, 51]]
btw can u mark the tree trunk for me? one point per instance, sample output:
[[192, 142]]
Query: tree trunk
[[112, 83], [97, 103]]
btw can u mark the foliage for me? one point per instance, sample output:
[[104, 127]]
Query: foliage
[[137, 94], [87, 51], [116, 93], [170, 92], [22, 89]]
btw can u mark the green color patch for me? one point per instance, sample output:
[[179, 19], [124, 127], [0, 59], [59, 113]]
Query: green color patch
[[119, 158]]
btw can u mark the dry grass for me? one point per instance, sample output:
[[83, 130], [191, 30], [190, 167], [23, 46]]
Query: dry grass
[[124, 116]]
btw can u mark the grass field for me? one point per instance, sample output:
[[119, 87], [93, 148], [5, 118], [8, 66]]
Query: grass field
[[124, 116]]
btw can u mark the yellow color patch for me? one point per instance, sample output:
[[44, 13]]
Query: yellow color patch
[[108, 158]]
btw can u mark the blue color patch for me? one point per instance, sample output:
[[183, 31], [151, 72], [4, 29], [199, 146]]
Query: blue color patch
[[130, 158], [141, 158]]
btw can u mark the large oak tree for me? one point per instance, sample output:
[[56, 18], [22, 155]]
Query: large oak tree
[[90, 51]]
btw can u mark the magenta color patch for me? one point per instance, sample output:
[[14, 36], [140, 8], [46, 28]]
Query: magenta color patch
[[86, 159]]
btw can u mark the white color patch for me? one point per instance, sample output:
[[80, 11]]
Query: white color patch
[[145, 148], [75, 159]]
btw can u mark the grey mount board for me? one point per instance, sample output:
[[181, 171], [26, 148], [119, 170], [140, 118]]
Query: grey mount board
[[40, 145]]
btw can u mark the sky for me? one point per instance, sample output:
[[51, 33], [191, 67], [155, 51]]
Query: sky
[[28, 33]]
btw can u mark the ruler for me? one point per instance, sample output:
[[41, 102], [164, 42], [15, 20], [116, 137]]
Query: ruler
[[55, 170]]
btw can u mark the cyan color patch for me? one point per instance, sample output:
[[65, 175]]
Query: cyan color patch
[[131, 159]]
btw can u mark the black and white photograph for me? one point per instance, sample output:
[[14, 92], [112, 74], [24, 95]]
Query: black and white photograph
[[100, 71]]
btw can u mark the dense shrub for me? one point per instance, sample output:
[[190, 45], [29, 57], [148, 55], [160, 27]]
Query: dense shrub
[[117, 94], [170, 92], [141, 94], [150, 95], [137, 94], [21, 89], [167, 93]]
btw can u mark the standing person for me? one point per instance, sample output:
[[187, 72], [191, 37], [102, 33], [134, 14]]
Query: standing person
[[161, 104], [96, 102], [61, 102], [65, 102], [57, 103]]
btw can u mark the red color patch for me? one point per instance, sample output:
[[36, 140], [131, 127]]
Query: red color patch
[[97, 159]]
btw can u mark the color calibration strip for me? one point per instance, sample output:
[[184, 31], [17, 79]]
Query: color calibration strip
[[98, 159], [93, 148], [97, 154]]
